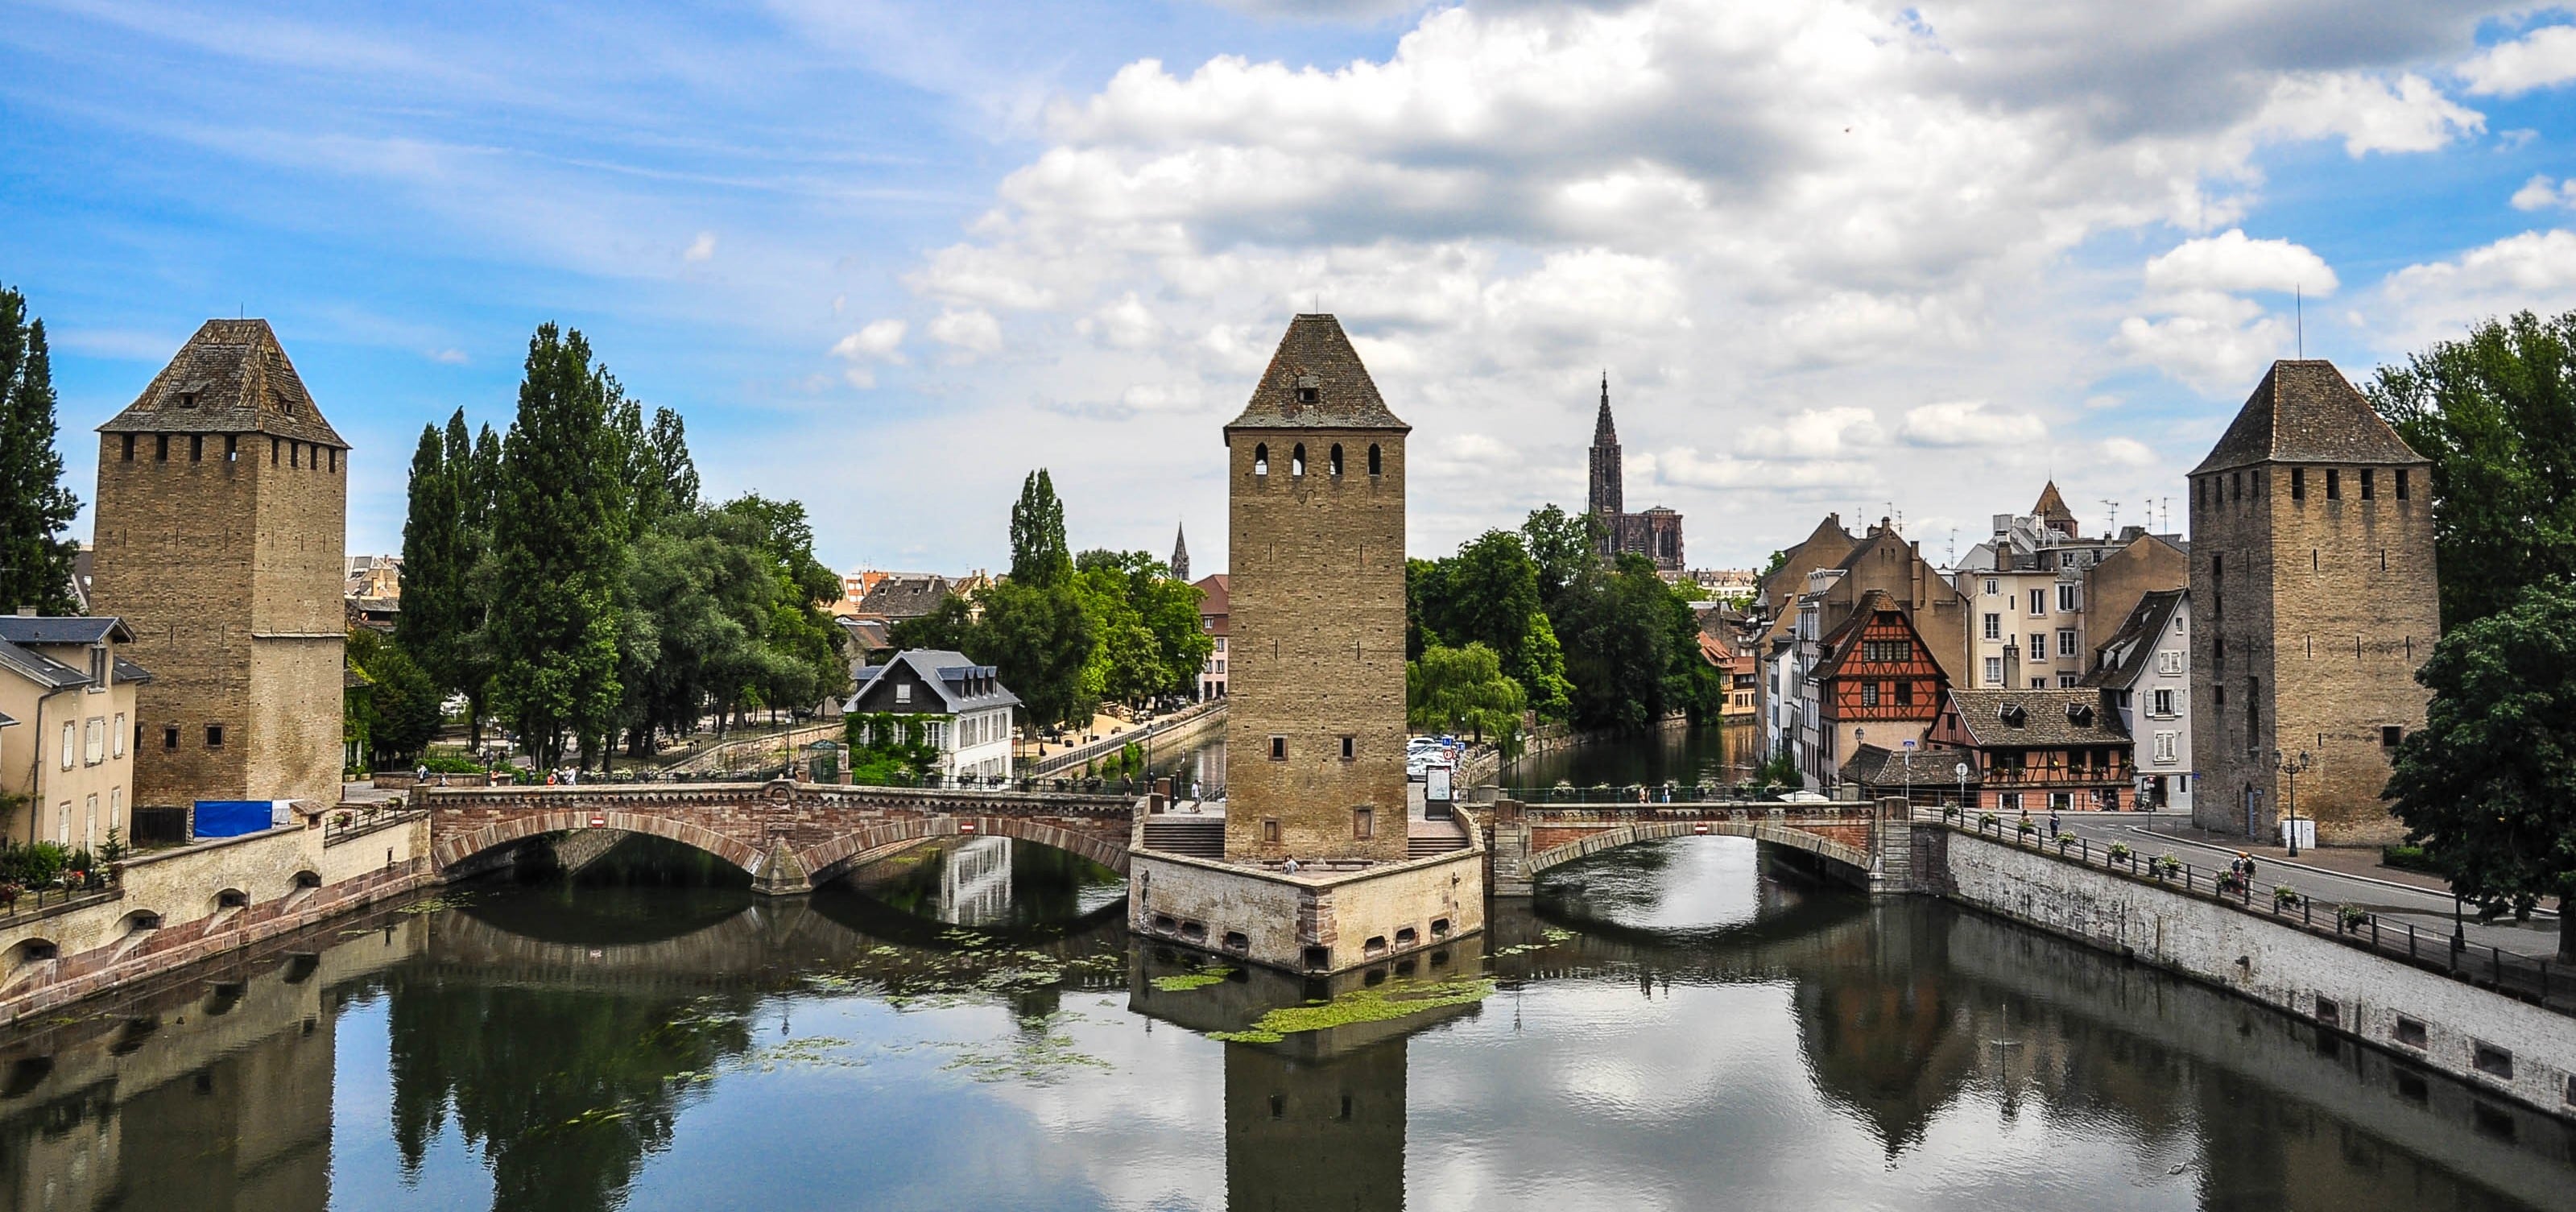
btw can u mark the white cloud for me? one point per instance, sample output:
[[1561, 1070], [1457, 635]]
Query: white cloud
[[1969, 423], [2126, 452], [2372, 114], [2216, 343], [2539, 193], [970, 329], [1125, 324], [2543, 58], [1816, 433], [2434, 301], [448, 357], [2231, 262], [879, 341], [701, 249]]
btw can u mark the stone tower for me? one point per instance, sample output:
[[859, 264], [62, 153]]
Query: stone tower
[[2314, 601], [1609, 495], [1315, 488], [222, 512], [1180, 553]]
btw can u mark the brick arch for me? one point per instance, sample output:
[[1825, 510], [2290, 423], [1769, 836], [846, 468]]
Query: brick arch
[[1647, 831], [457, 849], [831, 859]]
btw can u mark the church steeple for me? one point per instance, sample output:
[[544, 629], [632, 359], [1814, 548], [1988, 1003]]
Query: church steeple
[[1608, 497], [1180, 553]]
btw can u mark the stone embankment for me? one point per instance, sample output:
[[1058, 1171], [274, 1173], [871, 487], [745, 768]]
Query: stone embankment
[[1187, 726], [2504, 1046], [169, 908]]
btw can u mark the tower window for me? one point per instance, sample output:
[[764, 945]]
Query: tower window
[[1310, 390], [1261, 458], [2390, 735], [232, 448], [1270, 830], [1278, 748], [170, 736], [273, 444], [187, 399], [214, 736], [1334, 463], [1375, 468], [295, 454], [1297, 460], [2334, 484], [2401, 483], [196, 448], [1350, 747], [335, 460], [160, 448], [2298, 483], [2236, 485], [129, 448], [1363, 823], [2369, 482]]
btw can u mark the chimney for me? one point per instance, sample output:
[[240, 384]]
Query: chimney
[[2012, 665], [26, 612]]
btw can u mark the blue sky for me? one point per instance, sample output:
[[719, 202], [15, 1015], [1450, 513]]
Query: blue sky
[[888, 257]]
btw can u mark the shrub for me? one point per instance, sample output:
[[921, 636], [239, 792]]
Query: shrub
[[2284, 896], [2120, 852], [2407, 858]]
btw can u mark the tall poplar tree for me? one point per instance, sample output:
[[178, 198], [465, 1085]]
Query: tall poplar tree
[[1039, 556], [428, 627], [559, 535], [35, 508]]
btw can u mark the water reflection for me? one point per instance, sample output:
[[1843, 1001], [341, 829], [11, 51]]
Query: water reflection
[[1719, 756], [1650, 1042]]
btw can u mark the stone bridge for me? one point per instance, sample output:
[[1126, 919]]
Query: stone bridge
[[789, 836], [1526, 839]]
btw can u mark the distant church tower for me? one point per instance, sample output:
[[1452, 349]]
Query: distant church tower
[[1609, 496], [1180, 553], [1315, 496], [2313, 599], [221, 525]]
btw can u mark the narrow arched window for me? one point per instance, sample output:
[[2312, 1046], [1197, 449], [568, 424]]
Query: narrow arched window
[[1374, 466], [1297, 460], [1261, 458], [1336, 463]]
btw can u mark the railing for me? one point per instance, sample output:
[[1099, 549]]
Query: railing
[[1114, 742], [1129, 786], [1645, 793], [2536, 981], [36, 902], [359, 819]]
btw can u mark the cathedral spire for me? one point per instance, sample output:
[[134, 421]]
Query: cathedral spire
[[1180, 553], [1603, 432], [1608, 497]]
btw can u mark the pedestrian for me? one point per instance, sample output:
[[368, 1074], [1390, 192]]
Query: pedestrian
[[2249, 869], [1290, 866], [2052, 822], [1197, 793]]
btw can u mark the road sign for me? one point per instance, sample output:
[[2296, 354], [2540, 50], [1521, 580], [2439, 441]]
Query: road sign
[[1909, 744], [597, 821]]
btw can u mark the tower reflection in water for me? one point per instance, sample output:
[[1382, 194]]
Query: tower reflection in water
[[545, 1050]]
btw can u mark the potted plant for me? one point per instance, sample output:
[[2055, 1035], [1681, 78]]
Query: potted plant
[[2120, 853], [1986, 820], [2167, 866], [2064, 841], [2028, 826], [2284, 897], [2352, 917]]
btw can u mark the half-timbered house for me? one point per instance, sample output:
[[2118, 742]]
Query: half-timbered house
[[1876, 683], [2037, 749]]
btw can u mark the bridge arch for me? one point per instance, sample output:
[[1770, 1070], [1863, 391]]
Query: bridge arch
[[457, 849], [1853, 858], [832, 859]]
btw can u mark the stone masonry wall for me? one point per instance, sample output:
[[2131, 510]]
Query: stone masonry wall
[[1317, 645], [2285, 968]]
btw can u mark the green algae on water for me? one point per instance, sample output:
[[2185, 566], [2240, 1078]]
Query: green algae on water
[[1201, 979], [1394, 1000]]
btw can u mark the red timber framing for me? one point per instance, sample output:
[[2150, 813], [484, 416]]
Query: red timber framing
[[2036, 750], [1881, 671]]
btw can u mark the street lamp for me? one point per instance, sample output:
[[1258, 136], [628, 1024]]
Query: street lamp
[[1961, 770], [2292, 768]]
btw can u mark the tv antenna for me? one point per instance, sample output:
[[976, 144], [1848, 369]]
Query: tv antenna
[[2112, 522], [2299, 316]]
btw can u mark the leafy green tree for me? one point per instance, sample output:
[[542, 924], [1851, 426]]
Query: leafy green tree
[[1040, 639], [1563, 546], [1151, 641], [558, 537], [1039, 555], [1541, 671], [433, 624], [2488, 785], [1621, 645], [401, 712], [1422, 588], [35, 508], [949, 626], [2496, 413], [1465, 689]]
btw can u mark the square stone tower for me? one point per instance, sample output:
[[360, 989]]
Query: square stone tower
[[2314, 602], [1315, 730], [222, 516]]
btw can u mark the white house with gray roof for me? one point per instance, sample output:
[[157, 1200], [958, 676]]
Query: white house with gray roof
[[969, 708]]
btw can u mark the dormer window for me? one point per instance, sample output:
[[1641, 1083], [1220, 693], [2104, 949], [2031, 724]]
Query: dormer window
[[187, 399], [1310, 390]]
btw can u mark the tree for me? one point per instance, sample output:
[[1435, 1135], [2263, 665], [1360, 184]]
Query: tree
[[2488, 785], [946, 627], [1150, 638], [401, 710], [433, 624], [2496, 413], [1040, 639], [558, 538], [1620, 642], [1563, 546], [1464, 689], [1039, 556], [35, 508]]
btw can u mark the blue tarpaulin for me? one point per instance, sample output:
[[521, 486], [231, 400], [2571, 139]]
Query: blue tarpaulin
[[233, 818]]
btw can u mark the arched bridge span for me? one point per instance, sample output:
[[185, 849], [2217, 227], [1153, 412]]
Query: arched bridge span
[[1528, 839], [789, 836]]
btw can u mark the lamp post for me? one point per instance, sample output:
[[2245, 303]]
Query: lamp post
[[2292, 768], [1961, 771]]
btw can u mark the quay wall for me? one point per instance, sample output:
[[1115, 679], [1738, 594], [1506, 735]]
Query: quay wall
[[168, 907], [2492, 1043]]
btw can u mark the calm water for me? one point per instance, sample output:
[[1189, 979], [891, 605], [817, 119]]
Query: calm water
[[1715, 756], [1670, 1026]]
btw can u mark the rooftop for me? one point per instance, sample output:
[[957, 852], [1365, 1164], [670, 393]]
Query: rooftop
[[2307, 412], [1316, 381], [231, 377]]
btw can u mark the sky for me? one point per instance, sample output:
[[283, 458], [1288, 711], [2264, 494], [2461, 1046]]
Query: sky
[[886, 258]]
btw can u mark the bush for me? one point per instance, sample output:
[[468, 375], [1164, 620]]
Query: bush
[[2407, 858], [2285, 896]]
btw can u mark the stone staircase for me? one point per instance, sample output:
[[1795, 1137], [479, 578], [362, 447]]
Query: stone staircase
[[1433, 837], [1202, 837]]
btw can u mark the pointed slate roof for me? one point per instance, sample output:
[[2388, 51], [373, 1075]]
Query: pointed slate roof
[[1314, 356], [1603, 432], [232, 377], [1180, 565], [2307, 412], [2125, 655], [2051, 506]]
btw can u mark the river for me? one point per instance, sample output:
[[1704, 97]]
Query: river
[[1671, 1025]]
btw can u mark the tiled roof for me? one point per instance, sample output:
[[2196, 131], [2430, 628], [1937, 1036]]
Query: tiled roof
[[1315, 357], [1218, 593], [232, 377], [905, 597], [2047, 717], [2051, 506], [2306, 412], [41, 669], [947, 673], [2132, 648], [62, 629], [1871, 766]]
